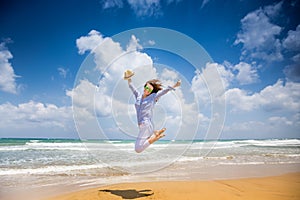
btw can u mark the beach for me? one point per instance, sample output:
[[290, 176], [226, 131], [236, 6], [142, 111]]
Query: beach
[[38, 169], [281, 187]]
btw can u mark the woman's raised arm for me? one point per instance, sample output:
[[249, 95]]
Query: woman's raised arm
[[165, 91], [133, 89]]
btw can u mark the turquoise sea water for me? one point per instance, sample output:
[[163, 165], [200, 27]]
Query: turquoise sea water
[[44, 162]]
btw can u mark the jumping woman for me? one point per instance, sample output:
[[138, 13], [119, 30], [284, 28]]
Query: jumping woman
[[144, 106]]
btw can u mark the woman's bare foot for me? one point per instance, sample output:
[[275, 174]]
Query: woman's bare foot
[[157, 135], [159, 132]]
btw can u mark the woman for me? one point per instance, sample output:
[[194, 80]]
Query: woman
[[144, 109]]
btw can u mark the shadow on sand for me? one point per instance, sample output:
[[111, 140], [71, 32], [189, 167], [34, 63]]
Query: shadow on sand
[[130, 194]]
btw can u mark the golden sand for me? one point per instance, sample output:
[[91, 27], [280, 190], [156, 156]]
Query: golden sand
[[276, 187]]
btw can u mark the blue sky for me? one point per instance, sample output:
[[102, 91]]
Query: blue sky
[[254, 45]]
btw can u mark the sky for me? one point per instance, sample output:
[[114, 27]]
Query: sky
[[62, 62]]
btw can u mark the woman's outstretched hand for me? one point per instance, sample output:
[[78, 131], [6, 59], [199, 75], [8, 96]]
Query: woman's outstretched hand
[[177, 84]]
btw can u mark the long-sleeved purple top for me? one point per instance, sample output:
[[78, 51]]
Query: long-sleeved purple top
[[144, 106]]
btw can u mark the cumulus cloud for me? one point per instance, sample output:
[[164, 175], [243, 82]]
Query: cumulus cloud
[[168, 74], [259, 36], [279, 120], [211, 82], [279, 101], [84, 95], [275, 108], [134, 44], [227, 73], [33, 118], [261, 40], [292, 42], [241, 100], [110, 58], [209, 86], [89, 42], [7, 74], [281, 97], [292, 72], [111, 53], [273, 10], [270, 127], [247, 74]]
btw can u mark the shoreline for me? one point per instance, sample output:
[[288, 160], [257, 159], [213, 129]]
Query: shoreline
[[283, 187]]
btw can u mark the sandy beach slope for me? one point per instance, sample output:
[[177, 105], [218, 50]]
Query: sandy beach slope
[[281, 187]]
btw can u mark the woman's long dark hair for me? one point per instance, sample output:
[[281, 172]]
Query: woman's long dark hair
[[157, 85]]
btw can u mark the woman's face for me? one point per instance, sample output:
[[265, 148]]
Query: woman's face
[[148, 89]]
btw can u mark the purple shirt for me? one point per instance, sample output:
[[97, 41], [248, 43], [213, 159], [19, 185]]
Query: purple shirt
[[144, 107]]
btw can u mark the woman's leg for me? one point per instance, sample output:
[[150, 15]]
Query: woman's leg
[[147, 136], [145, 131]]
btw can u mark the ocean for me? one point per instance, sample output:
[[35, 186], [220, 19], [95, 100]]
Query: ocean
[[72, 164]]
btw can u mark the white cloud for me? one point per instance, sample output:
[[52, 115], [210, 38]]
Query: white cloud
[[7, 74], [141, 8], [112, 4], [247, 74], [180, 118], [259, 36], [240, 100], [211, 82], [292, 42], [279, 97], [62, 72], [292, 72], [168, 74], [209, 87], [254, 127], [151, 42], [90, 42], [145, 7], [108, 53], [86, 97], [35, 119], [275, 120], [134, 44], [269, 127], [273, 10], [105, 50], [248, 114], [296, 58]]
